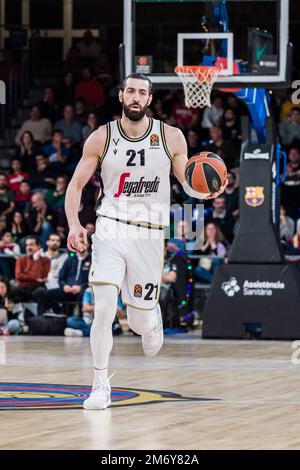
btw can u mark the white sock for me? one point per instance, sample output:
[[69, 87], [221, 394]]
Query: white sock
[[100, 374]]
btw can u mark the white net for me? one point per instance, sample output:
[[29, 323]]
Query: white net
[[197, 84]]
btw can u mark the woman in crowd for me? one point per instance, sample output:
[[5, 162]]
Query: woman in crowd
[[212, 253], [27, 151], [18, 226]]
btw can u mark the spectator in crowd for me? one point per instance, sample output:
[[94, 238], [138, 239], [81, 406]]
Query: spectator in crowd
[[88, 47], [287, 226], [18, 226], [167, 296], [222, 217], [61, 231], [39, 126], [31, 272], [181, 116], [231, 195], [56, 152], [55, 199], [8, 324], [90, 90], [91, 125], [231, 126], [212, 253], [90, 228], [158, 111], [8, 246], [224, 148], [178, 196], [289, 129], [3, 223], [17, 175], [82, 326], [287, 107], [103, 70], [12, 250], [70, 128], [7, 197], [293, 246], [238, 106], [41, 178], [9, 65], [27, 151], [23, 195], [39, 218], [73, 280], [73, 64], [48, 105], [81, 111], [65, 91], [178, 243], [291, 187], [57, 260], [193, 144], [212, 116]]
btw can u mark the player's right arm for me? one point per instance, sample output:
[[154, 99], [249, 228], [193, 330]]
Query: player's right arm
[[93, 148]]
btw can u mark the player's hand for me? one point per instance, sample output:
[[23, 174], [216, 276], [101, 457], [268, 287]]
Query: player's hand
[[77, 239], [217, 193]]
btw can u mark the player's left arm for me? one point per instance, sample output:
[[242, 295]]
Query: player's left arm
[[177, 147]]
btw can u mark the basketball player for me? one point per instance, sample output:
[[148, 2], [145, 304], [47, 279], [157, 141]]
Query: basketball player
[[135, 155]]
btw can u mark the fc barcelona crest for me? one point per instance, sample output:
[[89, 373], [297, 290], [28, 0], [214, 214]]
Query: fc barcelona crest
[[254, 196]]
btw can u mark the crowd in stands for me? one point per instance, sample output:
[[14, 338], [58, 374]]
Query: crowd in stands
[[48, 145]]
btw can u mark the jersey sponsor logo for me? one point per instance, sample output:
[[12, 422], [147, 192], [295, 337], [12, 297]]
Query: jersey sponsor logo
[[154, 140], [138, 290], [139, 188], [116, 141], [37, 396]]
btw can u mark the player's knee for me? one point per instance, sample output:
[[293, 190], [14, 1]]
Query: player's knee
[[140, 321], [105, 306]]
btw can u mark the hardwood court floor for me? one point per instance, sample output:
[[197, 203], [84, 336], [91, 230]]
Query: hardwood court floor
[[254, 388]]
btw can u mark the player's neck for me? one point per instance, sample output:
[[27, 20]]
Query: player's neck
[[134, 129]]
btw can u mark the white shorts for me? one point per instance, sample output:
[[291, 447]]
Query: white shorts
[[130, 258]]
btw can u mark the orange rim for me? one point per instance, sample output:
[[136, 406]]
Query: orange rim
[[197, 68]]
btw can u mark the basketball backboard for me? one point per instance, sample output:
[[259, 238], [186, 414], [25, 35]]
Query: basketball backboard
[[247, 38]]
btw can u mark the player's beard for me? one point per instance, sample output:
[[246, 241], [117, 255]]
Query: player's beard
[[134, 115]]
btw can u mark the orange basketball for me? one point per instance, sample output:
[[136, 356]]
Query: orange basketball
[[206, 172]]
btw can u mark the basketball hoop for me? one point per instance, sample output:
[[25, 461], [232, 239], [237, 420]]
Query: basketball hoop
[[197, 83]]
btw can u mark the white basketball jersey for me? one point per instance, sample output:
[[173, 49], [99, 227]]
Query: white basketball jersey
[[135, 175]]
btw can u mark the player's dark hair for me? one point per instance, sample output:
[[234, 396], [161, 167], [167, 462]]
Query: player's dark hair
[[138, 76]]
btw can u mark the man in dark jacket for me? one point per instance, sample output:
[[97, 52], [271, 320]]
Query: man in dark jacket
[[73, 280]]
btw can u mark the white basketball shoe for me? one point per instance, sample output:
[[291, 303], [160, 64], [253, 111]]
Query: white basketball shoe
[[100, 397], [153, 341]]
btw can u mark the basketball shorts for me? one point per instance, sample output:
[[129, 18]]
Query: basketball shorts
[[129, 257]]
